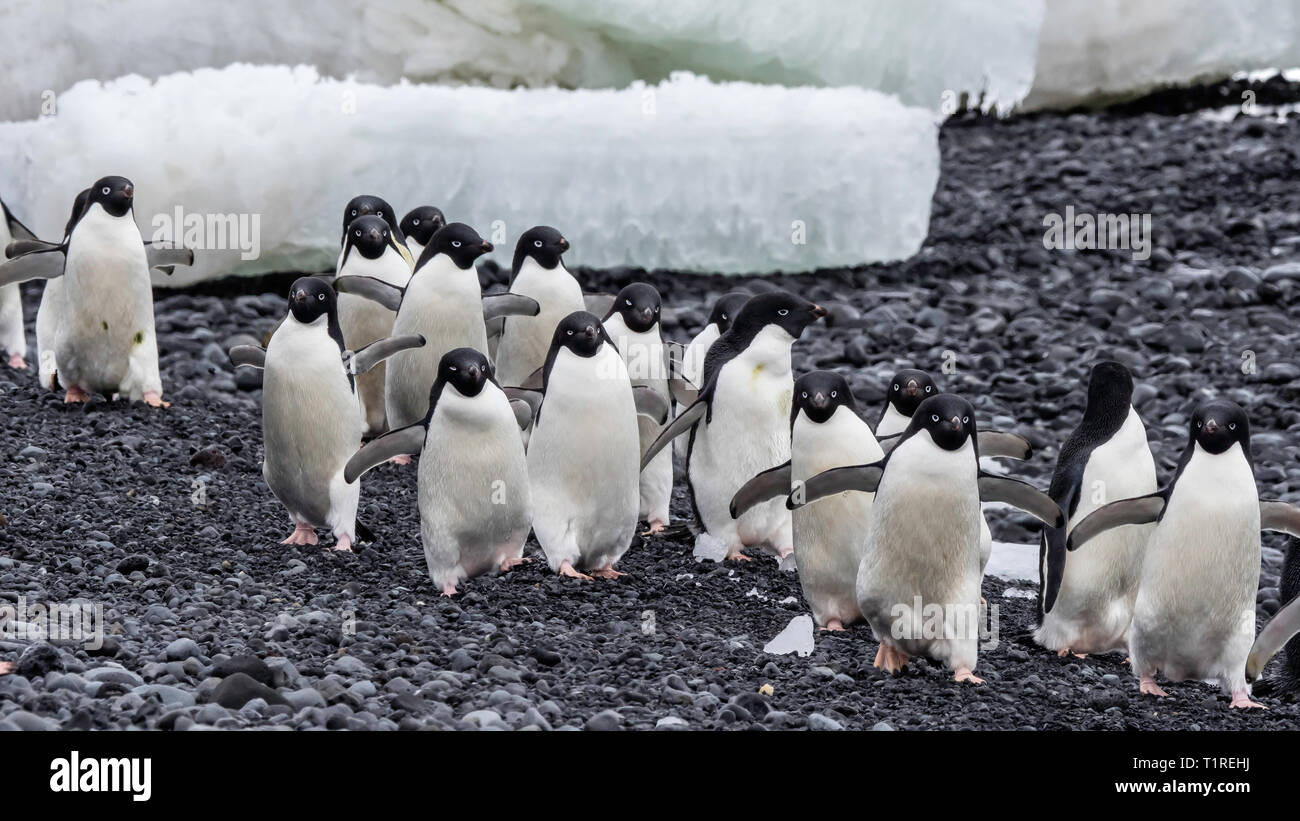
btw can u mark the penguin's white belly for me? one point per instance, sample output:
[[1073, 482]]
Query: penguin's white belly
[[311, 425], [891, 422], [749, 433], [1095, 604], [1194, 617], [475, 499], [527, 339], [922, 546], [13, 338], [693, 370], [47, 329], [363, 322], [583, 461], [829, 534], [447, 322], [105, 333], [646, 361]]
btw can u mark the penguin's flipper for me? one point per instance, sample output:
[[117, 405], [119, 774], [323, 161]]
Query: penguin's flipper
[[683, 391], [507, 304], [523, 412], [1054, 544], [864, 478], [1281, 628], [1279, 516], [1139, 511], [651, 403], [529, 397], [16, 229], [536, 381], [254, 356], [599, 304], [1022, 495], [1006, 445], [769, 484], [495, 328], [38, 264], [888, 443], [166, 258], [684, 422], [26, 246], [363, 360], [407, 441], [375, 290]]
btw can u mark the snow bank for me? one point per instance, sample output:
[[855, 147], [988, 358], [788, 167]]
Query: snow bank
[[685, 175], [918, 49], [1013, 562]]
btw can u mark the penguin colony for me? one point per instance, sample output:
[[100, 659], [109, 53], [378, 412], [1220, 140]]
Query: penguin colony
[[547, 410]]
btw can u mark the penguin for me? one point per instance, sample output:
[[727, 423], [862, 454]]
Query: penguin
[[97, 333], [583, 452], [1194, 616], [443, 302], [909, 388], [825, 432], [720, 319], [13, 336], [537, 272], [918, 585], [633, 325], [474, 496], [311, 419], [370, 249], [1281, 631], [418, 227], [740, 424], [1086, 600], [366, 205]]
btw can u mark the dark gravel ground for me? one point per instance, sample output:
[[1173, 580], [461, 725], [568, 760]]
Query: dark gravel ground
[[163, 517]]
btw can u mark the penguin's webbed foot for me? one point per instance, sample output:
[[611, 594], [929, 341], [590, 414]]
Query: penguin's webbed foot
[[6, 667], [567, 569], [449, 590], [964, 674], [303, 534], [1241, 700], [833, 625], [1066, 651], [75, 394], [16, 362], [154, 400], [607, 572], [889, 659], [511, 563], [401, 459], [1148, 687], [343, 544], [736, 555], [654, 526]]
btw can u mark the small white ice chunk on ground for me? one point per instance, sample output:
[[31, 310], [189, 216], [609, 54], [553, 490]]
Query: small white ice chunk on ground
[[1013, 562], [1018, 593], [709, 547], [797, 637]]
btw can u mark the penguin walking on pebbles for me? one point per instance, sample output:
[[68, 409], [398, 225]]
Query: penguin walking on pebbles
[[13, 336], [584, 450], [825, 432], [918, 585], [442, 302], [1086, 598], [1194, 616], [475, 501], [740, 425], [311, 419], [371, 249], [633, 325], [537, 272], [419, 225]]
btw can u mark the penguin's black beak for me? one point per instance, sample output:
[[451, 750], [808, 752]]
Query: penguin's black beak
[[956, 423], [476, 376], [818, 312], [590, 332], [912, 387], [128, 191], [374, 236], [300, 295], [564, 244], [818, 400], [485, 247], [648, 314], [1211, 427]]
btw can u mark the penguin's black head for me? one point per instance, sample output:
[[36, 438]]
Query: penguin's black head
[[78, 206], [580, 332], [466, 369], [1218, 424], [114, 194], [782, 309], [420, 224], [368, 205], [543, 243], [639, 305], [1109, 383], [370, 235], [909, 388], [310, 298], [725, 310], [459, 242], [949, 419], [819, 393]]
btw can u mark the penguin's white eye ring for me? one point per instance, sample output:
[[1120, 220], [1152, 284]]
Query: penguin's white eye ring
[[834, 394], [1198, 424], [354, 212], [895, 386], [724, 316], [934, 418], [455, 243], [106, 190], [1232, 426], [782, 311], [927, 388], [570, 333], [415, 222], [629, 302], [537, 243], [358, 232], [805, 394], [656, 309], [965, 420], [321, 297], [452, 367]]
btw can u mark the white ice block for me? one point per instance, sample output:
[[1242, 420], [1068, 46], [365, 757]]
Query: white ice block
[[685, 175]]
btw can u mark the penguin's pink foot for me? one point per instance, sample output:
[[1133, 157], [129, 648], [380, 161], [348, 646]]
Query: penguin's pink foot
[[607, 572], [889, 659], [964, 674], [735, 555], [1066, 651], [302, 534], [6, 667], [655, 526], [566, 569], [154, 400], [833, 624], [75, 394], [343, 543], [1241, 700], [16, 362], [511, 563], [449, 590], [401, 459], [1148, 687]]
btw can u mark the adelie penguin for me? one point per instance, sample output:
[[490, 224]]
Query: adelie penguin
[[825, 432], [537, 272], [918, 585], [1086, 598], [740, 425], [13, 336], [419, 225], [584, 449], [311, 419], [443, 302], [369, 205], [692, 355], [95, 328], [475, 503], [633, 325], [1194, 616], [371, 249]]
